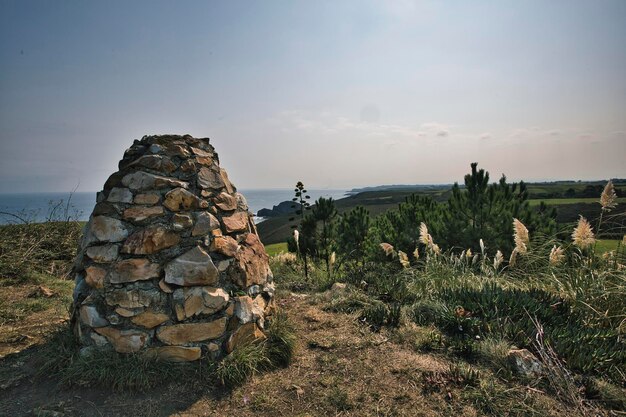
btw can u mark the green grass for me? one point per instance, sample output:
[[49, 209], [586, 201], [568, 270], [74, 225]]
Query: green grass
[[561, 201], [606, 245], [276, 248]]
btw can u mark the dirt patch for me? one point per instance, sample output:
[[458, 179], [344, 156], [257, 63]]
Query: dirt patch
[[341, 368]]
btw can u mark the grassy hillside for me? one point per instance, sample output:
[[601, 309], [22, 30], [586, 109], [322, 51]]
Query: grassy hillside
[[432, 339], [278, 229]]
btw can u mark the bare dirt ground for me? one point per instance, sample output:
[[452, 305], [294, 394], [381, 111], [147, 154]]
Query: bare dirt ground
[[340, 368]]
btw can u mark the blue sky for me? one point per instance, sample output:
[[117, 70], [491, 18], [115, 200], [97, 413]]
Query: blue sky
[[334, 93]]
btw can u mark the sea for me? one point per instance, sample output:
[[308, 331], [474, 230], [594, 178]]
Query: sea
[[41, 207]]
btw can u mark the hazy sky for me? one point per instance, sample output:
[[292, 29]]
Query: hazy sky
[[334, 93]]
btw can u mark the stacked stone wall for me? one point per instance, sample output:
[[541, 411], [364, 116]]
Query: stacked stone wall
[[170, 262]]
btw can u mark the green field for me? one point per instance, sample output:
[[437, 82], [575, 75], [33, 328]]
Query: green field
[[606, 245], [275, 248], [561, 201]]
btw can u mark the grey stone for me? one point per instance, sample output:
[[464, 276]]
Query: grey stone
[[143, 180], [194, 267], [107, 229], [205, 223], [133, 298], [89, 315], [103, 254], [120, 195]]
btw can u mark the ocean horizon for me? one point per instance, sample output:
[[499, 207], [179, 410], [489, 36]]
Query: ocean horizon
[[44, 206]]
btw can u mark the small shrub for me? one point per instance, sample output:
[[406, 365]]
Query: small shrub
[[242, 363], [339, 399], [281, 340]]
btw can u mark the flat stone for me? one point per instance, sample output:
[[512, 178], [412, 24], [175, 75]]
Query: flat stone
[[200, 152], [155, 162], [125, 312], [237, 222], [103, 254], [90, 316], [150, 319], [225, 245], [180, 199], [209, 178], [179, 334], [120, 195], [205, 222], [124, 341], [194, 267], [175, 353], [139, 213], [242, 203], [230, 189], [204, 160], [150, 240], [251, 263], [94, 276], [148, 199], [165, 287], [131, 270], [134, 298], [177, 150], [181, 221], [144, 181], [192, 301], [248, 333], [225, 202], [107, 229]]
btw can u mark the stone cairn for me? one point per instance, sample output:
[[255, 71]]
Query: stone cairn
[[170, 262]]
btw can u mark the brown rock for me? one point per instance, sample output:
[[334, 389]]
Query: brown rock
[[178, 150], [201, 153], [143, 181], [248, 333], [179, 334], [124, 341], [155, 162], [251, 263], [207, 161], [194, 267], [192, 301], [125, 312], [139, 213], [175, 353], [205, 222], [230, 189], [225, 245], [164, 287], [208, 178], [148, 199], [150, 240], [133, 270], [103, 254], [236, 223], [181, 221], [181, 199], [94, 276], [150, 319], [225, 202]]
